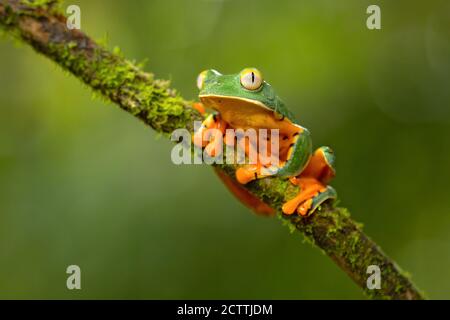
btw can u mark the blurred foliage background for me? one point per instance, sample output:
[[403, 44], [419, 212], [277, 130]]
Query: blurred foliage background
[[84, 183]]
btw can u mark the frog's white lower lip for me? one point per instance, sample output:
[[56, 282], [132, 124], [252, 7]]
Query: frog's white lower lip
[[217, 97]]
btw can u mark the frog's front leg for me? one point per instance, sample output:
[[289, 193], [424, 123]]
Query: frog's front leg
[[211, 140], [313, 184]]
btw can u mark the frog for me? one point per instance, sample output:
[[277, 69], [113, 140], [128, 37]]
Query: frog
[[245, 100]]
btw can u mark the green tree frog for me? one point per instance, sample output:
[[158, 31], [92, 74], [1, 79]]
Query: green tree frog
[[244, 100]]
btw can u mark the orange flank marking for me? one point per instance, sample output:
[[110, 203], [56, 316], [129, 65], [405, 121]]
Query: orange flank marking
[[291, 146]]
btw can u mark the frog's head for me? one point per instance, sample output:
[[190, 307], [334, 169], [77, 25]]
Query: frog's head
[[242, 96]]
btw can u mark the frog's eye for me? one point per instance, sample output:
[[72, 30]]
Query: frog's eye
[[201, 79], [251, 79]]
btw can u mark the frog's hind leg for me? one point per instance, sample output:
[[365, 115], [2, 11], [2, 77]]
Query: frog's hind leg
[[313, 184], [247, 198], [303, 201], [321, 165]]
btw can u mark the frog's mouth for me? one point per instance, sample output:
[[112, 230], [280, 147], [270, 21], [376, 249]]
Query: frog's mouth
[[241, 113]]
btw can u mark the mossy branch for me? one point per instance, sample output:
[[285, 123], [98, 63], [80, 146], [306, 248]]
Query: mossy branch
[[41, 24]]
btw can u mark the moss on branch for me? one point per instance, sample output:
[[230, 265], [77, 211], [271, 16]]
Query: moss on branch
[[41, 24], [108, 73]]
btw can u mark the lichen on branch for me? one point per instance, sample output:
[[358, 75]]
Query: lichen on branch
[[41, 24]]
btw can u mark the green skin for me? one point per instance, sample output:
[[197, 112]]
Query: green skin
[[260, 107], [216, 84]]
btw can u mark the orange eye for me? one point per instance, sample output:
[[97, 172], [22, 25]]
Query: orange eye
[[201, 79], [251, 79]]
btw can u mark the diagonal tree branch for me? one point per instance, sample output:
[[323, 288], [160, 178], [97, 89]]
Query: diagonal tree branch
[[40, 24]]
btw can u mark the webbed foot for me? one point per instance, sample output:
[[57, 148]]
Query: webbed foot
[[311, 205], [313, 184]]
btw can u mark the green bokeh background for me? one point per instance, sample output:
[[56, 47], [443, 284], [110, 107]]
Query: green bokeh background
[[82, 182]]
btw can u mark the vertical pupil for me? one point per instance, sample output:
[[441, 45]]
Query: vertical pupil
[[253, 77]]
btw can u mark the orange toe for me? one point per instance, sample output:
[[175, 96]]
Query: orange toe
[[199, 107], [290, 206], [304, 207], [244, 176]]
